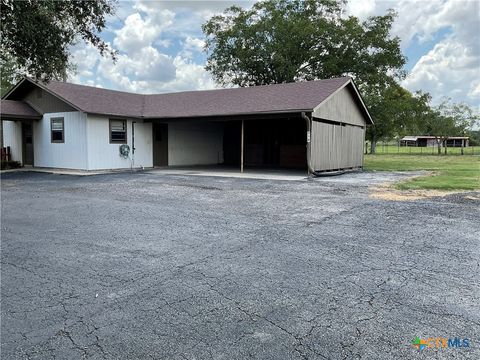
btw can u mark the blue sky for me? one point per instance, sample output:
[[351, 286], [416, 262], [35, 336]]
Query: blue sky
[[160, 45]]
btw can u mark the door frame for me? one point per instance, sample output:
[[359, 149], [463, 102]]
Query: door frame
[[164, 131], [24, 144]]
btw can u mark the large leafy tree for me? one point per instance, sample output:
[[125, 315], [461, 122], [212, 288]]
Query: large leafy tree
[[397, 112], [36, 35], [279, 41]]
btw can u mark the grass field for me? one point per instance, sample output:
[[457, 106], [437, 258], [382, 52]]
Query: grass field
[[411, 150], [449, 172]]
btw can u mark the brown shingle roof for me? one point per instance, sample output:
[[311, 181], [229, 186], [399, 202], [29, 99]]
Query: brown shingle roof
[[97, 100], [17, 110], [269, 98], [291, 97], [256, 99]]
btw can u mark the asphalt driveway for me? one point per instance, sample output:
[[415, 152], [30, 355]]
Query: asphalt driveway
[[144, 265]]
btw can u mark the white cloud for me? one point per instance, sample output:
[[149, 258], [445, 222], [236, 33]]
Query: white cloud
[[160, 44], [194, 44], [141, 65], [452, 67], [449, 69], [146, 64], [361, 8], [139, 32]]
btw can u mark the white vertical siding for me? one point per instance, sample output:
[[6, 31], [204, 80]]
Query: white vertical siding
[[12, 136], [199, 143], [336, 147], [103, 155], [72, 153]]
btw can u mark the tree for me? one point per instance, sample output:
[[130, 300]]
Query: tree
[[36, 35], [396, 111], [278, 41], [474, 137], [449, 119], [7, 73]]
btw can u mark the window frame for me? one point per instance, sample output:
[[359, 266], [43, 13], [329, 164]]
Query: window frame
[[110, 131], [51, 130]]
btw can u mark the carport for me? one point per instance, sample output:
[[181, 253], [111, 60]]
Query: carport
[[271, 142], [255, 142], [316, 126]]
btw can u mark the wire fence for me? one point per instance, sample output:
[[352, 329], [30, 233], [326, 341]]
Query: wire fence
[[392, 149]]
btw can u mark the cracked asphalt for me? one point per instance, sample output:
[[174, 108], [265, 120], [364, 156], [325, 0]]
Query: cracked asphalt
[[152, 266]]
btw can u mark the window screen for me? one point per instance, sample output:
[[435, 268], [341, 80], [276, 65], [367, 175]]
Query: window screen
[[118, 131], [57, 130]]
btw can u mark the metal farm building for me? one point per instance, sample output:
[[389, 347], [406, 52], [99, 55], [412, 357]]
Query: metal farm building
[[318, 126]]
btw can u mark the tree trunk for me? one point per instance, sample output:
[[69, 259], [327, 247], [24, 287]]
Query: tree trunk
[[439, 147], [373, 141]]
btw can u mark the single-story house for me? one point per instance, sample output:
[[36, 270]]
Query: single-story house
[[430, 141], [313, 125]]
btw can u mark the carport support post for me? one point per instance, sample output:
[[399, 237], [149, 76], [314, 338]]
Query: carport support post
[[242, 137]]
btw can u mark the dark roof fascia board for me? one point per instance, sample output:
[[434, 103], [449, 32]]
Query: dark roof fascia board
[[363, 102], [19, 117], [117, 116], [231, 117], [13, 88], [250, 114]]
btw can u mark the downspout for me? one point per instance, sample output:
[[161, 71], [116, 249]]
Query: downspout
[[311, 170], [133, 144], [309, 146]]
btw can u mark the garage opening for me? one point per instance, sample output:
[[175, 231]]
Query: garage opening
[[269, 143]]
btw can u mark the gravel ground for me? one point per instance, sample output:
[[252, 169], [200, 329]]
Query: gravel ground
[[144, 265]]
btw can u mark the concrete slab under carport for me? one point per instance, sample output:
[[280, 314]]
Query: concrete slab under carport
[[232, 172]]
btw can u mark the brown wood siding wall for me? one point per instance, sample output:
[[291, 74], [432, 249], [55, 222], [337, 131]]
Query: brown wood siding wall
[[336, 146], [341, 107], [44, 102]]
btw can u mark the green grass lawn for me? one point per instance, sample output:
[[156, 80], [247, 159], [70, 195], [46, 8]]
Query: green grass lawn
[[450, 172]]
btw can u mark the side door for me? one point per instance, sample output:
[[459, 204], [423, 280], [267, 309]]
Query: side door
[[160, 144]]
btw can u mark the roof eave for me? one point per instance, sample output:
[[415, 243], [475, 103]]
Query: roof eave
[[13, 88], [277, 112], [6, 117]]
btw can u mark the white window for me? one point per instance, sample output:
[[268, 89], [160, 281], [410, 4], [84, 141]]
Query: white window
[[57, 130], [118, 131]]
